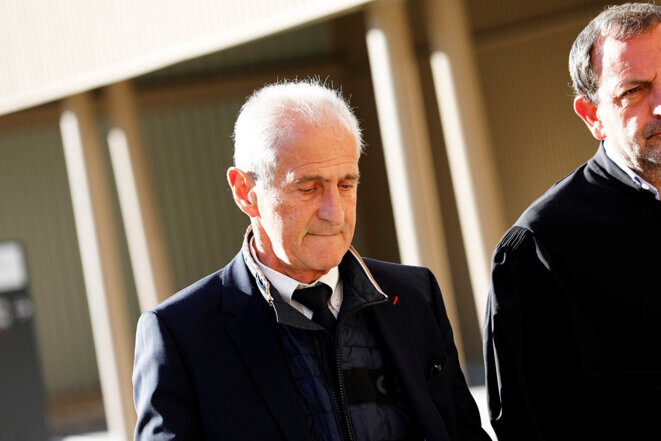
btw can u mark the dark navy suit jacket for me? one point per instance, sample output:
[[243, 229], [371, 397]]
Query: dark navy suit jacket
[[208, 364]]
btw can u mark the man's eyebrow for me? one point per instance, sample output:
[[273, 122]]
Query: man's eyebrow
[[632, 82], [308, 178]]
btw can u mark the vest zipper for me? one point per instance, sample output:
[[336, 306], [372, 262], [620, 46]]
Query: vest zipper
[[344, 408], [329, 387]]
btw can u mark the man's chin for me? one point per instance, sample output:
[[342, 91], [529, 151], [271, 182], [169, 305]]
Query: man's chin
[[325, 241], [325, 259], [327, 249], [652, 155], [323, 235]]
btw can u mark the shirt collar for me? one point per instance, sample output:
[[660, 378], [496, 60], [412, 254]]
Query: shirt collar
[[357, 273], [287, 285], [615, 159]]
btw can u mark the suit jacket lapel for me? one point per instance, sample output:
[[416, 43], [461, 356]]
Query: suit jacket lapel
[[392, 324], [256, 342]]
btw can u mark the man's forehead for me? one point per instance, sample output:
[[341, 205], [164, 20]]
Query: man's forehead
[[317, 155], [351, 176], [339, 167], [605, 50], [612, 55]]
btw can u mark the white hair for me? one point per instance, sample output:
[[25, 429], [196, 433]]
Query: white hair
[[275, 111]]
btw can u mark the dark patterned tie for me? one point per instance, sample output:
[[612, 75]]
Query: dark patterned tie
[[316, 298]]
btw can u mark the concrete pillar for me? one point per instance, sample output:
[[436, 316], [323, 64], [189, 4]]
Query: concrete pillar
[[138, 204], [102, 270], [465, 128], [408, 157]]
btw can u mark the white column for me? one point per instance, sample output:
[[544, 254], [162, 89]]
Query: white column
[[151, 269], [408, 157], [465, 128], [104, 281]]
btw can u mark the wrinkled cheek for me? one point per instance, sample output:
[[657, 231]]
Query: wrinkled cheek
[[634, 128], [631, 128], [278, 225]]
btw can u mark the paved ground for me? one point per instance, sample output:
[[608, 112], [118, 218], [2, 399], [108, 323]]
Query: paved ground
[[480, 395], [96, 436]]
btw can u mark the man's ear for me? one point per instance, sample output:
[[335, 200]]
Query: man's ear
[[588, 113], [243, 190]]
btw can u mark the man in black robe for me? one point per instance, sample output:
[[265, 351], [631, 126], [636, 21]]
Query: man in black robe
[[574, 313]]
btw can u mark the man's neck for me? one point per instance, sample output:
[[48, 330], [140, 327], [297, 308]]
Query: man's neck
[[271, 261], [649, 172]]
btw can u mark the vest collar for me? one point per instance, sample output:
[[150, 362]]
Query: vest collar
[[353, 272]]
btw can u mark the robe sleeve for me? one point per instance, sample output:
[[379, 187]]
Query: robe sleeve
[[532, 365]]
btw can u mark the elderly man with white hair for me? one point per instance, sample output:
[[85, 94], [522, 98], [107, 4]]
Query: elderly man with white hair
[[299, 338]]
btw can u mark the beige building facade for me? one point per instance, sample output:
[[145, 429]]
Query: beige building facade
[[115, 134]]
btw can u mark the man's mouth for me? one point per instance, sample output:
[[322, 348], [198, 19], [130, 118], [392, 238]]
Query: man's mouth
[[652, 129]]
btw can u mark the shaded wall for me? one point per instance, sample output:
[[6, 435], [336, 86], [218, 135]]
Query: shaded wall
[[522, 49], [35, 208]]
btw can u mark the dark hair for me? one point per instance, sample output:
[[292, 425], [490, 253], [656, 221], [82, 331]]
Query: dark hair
[[619, 22]]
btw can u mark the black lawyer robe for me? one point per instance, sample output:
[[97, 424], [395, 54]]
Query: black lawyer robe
[[573, 326]]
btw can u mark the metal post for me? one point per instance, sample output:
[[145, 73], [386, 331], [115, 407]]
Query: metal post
[[408, 156], [470, 157], [102, 270], [149, 261]]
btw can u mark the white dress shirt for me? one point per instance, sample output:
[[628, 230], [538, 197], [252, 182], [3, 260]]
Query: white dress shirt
[[286, 286]]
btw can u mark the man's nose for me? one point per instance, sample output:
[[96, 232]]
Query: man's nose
[[656, 104], [331, 207], [657, 109]]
